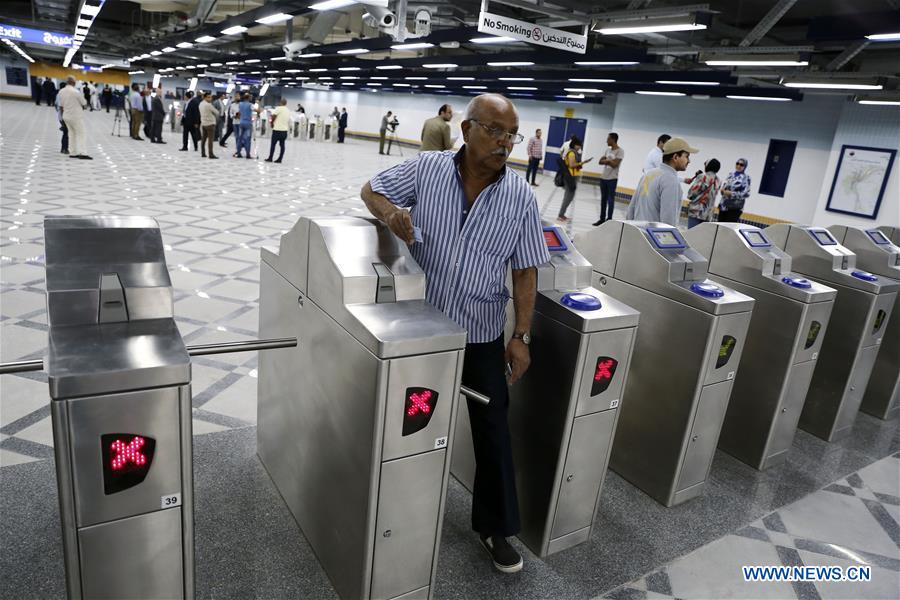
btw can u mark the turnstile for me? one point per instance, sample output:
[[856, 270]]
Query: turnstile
[[119, 378], [354, 425], [783, 342], [686, 354], [876, 253], [563, 413], [861, 310]]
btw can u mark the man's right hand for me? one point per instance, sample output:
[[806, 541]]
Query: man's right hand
[[400, 223]]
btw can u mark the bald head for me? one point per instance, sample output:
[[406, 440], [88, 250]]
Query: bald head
[[490, 105], [70, 80]]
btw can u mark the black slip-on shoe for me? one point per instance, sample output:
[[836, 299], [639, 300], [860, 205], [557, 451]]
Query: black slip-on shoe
[[505, 557]]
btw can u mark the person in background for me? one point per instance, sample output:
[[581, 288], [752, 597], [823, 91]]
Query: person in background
[[281, 121], [219, 105], [95, 96], [49, 91], [382, 131], [71, 105], [342, 125], [436, 131], [245, 125], [86, 90], [106, 97], [654, 158], [230, 127], [335, 113], [190, 121], [535, 151], [64, 148], [148, 111], [573, 167], [609, 177], [208, 116], [735, 192], [657, 196], [158, 114], [702, 193], [36, 90], [437, 191], [137, 111]]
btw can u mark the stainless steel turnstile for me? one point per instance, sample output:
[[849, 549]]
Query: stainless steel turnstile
[[786, 332], [861, 309], [354, 425], [686, 354], [876, 253], [563, 413], [119, 379]]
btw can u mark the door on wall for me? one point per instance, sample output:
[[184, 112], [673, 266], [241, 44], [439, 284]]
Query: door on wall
[[559, 132], [777, 167]]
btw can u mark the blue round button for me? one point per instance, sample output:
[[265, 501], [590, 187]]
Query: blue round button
[[710, 290], [797, 282], [864, 275], [581, 301]]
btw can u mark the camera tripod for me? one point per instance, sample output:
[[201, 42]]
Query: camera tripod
[[391, 138]]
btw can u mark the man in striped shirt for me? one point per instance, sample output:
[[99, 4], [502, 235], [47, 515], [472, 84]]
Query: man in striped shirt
[[535, 154], [467, 218]]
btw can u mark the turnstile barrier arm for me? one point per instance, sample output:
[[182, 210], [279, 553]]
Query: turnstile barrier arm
[[23, 366], [473, 395]]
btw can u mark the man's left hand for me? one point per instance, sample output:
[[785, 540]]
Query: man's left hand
[[519, 358]]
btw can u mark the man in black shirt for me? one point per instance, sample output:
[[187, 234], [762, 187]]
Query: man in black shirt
[[190, 121]]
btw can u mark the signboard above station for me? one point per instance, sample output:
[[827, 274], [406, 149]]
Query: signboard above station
[[532, 33], [35, 36]]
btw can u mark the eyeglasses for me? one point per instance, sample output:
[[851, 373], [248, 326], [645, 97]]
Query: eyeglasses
[[740, 164], [500, 135]]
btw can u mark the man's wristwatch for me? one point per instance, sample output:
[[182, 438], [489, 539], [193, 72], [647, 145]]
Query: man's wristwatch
[[524, 336]]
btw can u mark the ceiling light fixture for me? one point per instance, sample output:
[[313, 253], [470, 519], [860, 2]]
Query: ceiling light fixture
[[515, 63], [880, 102], [372, 83], [440, 65], [349, 69], [583, 90], [434, 85], [276, 18], [755, 62], [415, 78], [278, 58], [184, 45], [762, 98], [349, 77], [412, 46], [884, 37], [389, 67], [675, 82], [86, 23], [575, 96], [331, 4], [354, 51], [251, 61], [18, 50], [493, 40], [215, 64], [513, 87], [310, 55], [474, 87], [380, 78], [402, 85], [233, 62], [168, 49], [832, 85], [516, 78], [319, 70], [656, 93], [234, 30], [589, 80], [90, 10], [460, 79], [155, 53], [606, 63], [205, 39], [135, 72], [659, 25]]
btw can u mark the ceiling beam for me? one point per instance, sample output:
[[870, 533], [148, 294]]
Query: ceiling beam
[[847, 55], [762, 28]]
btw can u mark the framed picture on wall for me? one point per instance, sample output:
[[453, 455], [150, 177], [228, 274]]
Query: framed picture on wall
[[860, 180]]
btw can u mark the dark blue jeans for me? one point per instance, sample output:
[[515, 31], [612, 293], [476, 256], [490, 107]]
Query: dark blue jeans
[[607, 198], [531, 171], [278, 137], [495, 506]]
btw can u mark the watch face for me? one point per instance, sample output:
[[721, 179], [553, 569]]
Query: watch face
[[526, 338]]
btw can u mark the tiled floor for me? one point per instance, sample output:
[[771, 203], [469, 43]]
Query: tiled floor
[[214, 216]]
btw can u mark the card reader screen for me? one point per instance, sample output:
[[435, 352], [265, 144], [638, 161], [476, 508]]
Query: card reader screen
[[823, 237], [878, 237], [552, 239], [755, 238], [666, 238]]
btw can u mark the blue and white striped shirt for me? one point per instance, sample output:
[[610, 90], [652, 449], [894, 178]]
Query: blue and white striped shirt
[[465, 258]]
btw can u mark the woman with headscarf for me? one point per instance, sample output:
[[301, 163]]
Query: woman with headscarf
[[735, 192], [702, 193]]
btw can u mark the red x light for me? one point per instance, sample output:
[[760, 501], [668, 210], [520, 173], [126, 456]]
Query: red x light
[[417, 410], [603, 374], [126, 460]]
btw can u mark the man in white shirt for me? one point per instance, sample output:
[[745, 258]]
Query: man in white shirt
[[281, 121], [609, 177], [71, 106], [654, 159]]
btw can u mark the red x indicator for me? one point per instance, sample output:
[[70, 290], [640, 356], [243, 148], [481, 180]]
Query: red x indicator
[[126, 460], [419, 403], [122, 454], [603, 374], [419, 407]]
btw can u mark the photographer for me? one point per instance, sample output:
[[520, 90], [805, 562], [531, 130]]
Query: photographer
[[387, 120]]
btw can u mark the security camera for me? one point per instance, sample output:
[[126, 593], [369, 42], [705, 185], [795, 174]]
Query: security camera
[[295, 48], [380, 17]]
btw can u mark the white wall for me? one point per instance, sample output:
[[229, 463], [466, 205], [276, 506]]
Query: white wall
[[14, 90], [872, 126]]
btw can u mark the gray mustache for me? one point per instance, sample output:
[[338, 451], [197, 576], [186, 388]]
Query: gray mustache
[[501, 152]]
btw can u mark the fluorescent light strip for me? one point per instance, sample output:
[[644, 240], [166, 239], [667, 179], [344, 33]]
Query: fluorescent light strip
[[205, 39], [276, 18], [412, 46], [184, 45], [251, 61], [168, 49], [513, 87], [310, 55], [884, 37], [576, 96], [756, 63], [379, 78], [832, 86], [440, 66], [234, 30], [516, 78], [293, 70], [274, 58], [434, 85], [135, 72], [325, 78], [627, 30], [606, 63], [474, 87], [215, 64], [415, 78], [272, 71], [354, 51], [460, 79], [522, 63], [349, 69], [372, 83], [763, 98], [349, 77], [402, 85], [673, 82], [155, 53], [880, 102], [331, 4], [655, 93], [389, 67], [583, 90], [83, 23], [493, 40], [90, 10], [18, 50], [233, 62], [580, 80], [319, 70]]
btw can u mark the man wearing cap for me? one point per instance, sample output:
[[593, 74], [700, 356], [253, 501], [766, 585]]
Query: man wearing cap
[[658, 193]]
